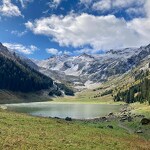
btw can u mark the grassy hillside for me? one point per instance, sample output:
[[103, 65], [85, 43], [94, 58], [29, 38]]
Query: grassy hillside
[[106, 92], [86, 96], [18, 131], [8, 97], [136, 91]]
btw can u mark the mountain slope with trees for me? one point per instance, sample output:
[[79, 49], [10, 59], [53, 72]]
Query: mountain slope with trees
[[138, 91], [17, 76]]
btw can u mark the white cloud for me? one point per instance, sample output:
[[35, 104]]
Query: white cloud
[[21, 48], [54, 3], [147, 8], [53, 51], [104, 5], [100, 32], [25, 2], [142, 27], [22, 3], [135, 11], [8, 9], [85, 50], [127, 3], [19, 34], [67, 52], [57, 1], [86, 1]]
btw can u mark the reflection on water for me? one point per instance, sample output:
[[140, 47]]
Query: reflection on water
[[63, 110]]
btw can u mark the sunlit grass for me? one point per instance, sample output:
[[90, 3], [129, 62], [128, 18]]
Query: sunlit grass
[[19, 131], [141, 109]]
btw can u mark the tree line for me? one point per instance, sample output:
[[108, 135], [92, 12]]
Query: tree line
[[16, 76]]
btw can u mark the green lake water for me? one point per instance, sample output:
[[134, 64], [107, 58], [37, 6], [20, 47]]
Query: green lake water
[[63, 110]]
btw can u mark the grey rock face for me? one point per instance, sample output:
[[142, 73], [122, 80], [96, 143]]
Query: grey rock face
[[80, 69]]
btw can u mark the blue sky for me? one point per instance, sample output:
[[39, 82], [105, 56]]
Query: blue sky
[[41, 28]]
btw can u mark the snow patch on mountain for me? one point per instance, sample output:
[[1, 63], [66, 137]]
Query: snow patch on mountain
[[85, 70]]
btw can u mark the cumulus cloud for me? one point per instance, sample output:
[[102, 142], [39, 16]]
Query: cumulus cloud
[[142, 27], [85, 50], [86, 3], [127, 3], [54, 51], [115, 3], [21, 48], [102, 5], [100, 32], [147, 8], [105, 5], [19, 34], [135, 11], [8, 9]]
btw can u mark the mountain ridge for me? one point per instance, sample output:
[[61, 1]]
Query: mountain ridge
[[18, 74], [86, 68]]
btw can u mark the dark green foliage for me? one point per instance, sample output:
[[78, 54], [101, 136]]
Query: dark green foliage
[[67, 91], [15, 75], [55, 92], [100, 88]]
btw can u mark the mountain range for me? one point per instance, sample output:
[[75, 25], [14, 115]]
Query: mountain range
[[85, 70], [59, 74]]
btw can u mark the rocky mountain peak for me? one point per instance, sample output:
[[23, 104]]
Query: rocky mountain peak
[[4, 51], [85, 67], [86, 57], [59, 57]]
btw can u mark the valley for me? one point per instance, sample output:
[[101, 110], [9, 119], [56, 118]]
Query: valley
[[74, 74], [118, 128]]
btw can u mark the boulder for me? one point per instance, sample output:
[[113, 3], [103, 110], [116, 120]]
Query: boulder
[[103, 118], [68, 119], [110, 126], [139, 131], [145, 121], [129, 119], [110, 114], [123, 119], [56, 117]]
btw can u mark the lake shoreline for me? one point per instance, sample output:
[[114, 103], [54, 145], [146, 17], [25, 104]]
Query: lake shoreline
[[125, 118], [106, 118], [63, 110], [21, 131]]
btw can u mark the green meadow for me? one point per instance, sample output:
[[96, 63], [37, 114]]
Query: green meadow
[[23, 132]]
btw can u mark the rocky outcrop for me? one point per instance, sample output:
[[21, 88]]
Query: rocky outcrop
[[145, 121]]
